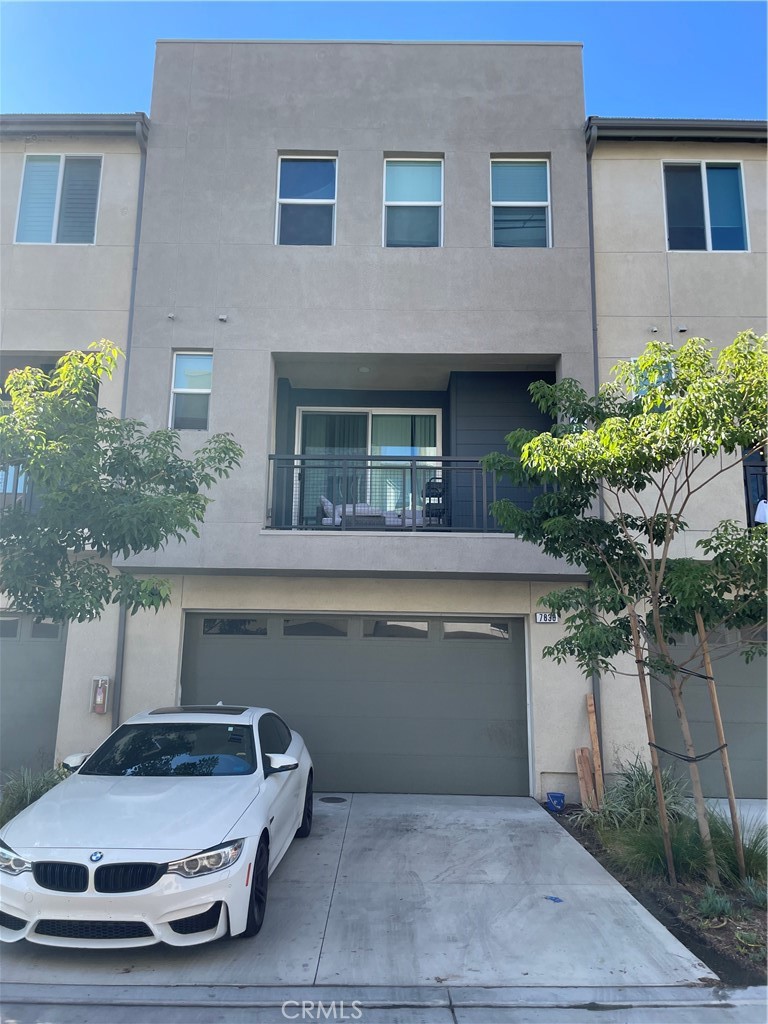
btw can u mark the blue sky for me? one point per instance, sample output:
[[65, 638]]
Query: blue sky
[[641, 59]]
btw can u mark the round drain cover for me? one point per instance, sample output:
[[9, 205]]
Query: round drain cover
[[333, 799]]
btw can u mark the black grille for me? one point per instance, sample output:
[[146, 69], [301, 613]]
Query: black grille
[[60, 876], [94, 929], [204, 922], [9, 921], [127, 877]]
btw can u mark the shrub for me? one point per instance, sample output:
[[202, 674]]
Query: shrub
[[714, 903], [754, 892], [639, 849], [22, 788], [630, 799]]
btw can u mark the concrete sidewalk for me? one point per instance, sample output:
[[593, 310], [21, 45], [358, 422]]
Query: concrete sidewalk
[[132, 1004]]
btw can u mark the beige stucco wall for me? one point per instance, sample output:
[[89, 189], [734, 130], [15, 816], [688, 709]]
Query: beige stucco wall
[[152, 665], [59, 297], [640, 285]]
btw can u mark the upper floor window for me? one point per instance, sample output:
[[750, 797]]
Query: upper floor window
[[413, 203], [192, 372], [59, 199], [306, 200], [520, 203], [705, 207]]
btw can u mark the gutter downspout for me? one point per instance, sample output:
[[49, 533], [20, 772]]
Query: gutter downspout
[[141, 138], [591, 133]]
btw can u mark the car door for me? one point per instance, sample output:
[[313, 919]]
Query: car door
[[282, 788]]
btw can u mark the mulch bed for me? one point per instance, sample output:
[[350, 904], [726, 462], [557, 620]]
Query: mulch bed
[[725, 946]]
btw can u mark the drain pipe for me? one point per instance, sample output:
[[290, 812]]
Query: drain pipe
[[591, 134], [141, 137]]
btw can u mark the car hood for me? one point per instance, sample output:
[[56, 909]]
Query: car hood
[[105, 813]]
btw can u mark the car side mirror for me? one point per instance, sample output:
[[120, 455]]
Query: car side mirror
[[74, 761], [274, 763]]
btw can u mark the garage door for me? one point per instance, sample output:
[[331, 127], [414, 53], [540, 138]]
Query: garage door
[[741, 694], [385, 706], [31, 670]]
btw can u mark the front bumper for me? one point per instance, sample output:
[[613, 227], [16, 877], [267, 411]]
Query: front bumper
[[201, 909]]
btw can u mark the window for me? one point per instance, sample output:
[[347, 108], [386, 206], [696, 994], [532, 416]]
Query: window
[[705, 207], [306, 200], [235, 626], [389, 486], [191, 390], [170, 750], [274, 735], [316, 625], [520, 204], [494, 630], [413, 203], [59, 198], [46, 629], [9, 627], [400, 629]]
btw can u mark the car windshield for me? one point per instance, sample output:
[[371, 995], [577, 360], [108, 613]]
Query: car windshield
[[172, 749]]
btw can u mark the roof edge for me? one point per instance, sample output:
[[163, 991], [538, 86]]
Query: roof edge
[[636, 129], [74, 124]]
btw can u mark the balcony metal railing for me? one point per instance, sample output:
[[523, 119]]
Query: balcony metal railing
[[385, 493]]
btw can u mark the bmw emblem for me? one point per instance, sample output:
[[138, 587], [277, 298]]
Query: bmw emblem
[[96, 856]]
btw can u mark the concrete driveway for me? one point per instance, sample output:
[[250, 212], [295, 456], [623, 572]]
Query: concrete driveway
[[414, 890]]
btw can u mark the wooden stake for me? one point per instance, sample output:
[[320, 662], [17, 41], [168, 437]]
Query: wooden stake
[[586, 782], [663, 817], [737, 842], [596, 758]]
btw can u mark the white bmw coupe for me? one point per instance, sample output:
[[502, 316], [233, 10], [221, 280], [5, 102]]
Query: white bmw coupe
[[168, 832]]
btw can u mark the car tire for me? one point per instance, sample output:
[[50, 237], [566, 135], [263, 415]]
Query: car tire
[[257, 901], [306, 822]]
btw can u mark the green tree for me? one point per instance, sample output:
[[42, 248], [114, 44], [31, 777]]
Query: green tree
[[107, 486], [618, 472]]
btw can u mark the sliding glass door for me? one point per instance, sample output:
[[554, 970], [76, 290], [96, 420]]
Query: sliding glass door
[[335, 436]]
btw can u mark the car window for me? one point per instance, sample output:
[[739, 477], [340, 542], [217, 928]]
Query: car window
[[284, 733], [175, 749], [274, 735]]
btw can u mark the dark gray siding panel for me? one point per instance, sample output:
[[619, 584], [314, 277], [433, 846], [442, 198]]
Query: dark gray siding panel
[[381, 715], [741, 691], [485, 407]]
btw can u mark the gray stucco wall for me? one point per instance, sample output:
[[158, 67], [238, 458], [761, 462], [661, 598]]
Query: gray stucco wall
[[222, 113]]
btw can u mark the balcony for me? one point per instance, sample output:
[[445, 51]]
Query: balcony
[[385, 494]]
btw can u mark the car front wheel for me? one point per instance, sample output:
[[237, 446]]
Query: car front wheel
[[257, 904], [306, 822]]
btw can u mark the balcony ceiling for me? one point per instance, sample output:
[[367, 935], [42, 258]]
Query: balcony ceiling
[[390, 372]]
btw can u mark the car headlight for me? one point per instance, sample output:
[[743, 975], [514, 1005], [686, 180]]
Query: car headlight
[[11, 863], [205, 863]]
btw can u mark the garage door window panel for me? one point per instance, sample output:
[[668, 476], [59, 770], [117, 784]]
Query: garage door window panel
[[235, 626], [401, 629], [493, 630], [330, 626]]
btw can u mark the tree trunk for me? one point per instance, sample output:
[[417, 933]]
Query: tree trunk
[[698, 794], [662, 804], [738, 845]]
